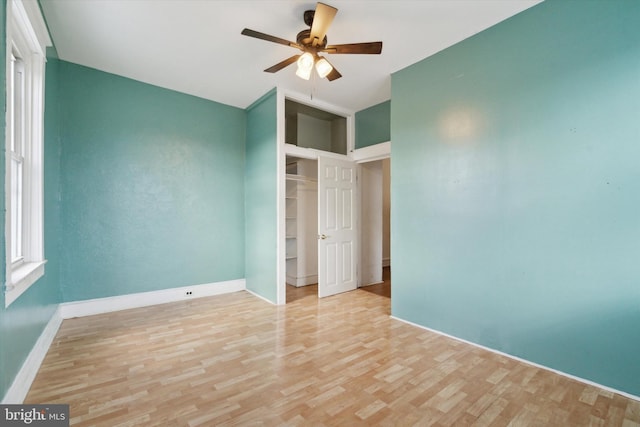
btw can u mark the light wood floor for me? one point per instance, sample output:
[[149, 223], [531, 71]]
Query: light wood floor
[[340, 361]]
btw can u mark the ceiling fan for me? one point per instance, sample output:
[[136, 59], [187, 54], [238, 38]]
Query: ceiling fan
[[312, 42]]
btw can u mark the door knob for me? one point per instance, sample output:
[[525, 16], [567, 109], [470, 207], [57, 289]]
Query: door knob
[[322, 236]]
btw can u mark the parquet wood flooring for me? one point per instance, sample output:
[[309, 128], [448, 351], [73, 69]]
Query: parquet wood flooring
[[295, 294], [235, 360], [384, 288]]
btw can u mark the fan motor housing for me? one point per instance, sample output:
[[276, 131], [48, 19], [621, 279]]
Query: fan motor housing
[[304, 38], [308, 17]]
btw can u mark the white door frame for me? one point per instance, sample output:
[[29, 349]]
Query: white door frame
[[368, 154]]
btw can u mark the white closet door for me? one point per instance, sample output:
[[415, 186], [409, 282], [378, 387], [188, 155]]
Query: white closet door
[[337, 237]]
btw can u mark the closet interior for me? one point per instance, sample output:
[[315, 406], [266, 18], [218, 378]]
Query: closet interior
[[301, 221]]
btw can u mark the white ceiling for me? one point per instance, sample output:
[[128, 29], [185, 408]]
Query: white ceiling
[[195, 46]]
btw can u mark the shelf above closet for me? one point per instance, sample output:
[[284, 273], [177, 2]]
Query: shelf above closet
[[293, 177]]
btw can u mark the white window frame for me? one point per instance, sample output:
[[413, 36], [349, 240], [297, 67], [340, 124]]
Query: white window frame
[[27, 38]]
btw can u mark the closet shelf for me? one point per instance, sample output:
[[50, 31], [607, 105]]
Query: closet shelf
[[293, 177]]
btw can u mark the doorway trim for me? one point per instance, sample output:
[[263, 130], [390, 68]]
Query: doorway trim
[[368, 154], [372, 153]]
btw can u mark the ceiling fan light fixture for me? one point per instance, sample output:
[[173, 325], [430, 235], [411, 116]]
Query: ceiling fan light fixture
[[306, 61], [304, 73], [323, 67], [313, 40], [305, 65]]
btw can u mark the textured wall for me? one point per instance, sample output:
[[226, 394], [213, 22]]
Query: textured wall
[[152, 187], [261, 197], [516, 189], [373, 125]]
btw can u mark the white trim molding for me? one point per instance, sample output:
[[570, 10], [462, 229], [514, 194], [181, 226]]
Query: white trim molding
[[371, 153], [302, 281], [21, 278], [528, 362], [27, 39], [143, 299], [29, 11], [27, 373], [281, 190]]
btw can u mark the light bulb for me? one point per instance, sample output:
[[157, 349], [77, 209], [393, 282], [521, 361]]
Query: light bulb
[[323, 67]]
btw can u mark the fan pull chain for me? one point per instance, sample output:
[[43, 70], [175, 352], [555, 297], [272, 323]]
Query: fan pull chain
[[313, 85]]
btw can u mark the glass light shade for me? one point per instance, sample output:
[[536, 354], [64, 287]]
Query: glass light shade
[[304, 73], [305, 65], [323, 68], [305, 61]]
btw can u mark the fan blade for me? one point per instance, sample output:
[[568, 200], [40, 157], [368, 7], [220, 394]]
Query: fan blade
[[280, 65], [267, 37], [372, 48], [321, 20], [333, 75]]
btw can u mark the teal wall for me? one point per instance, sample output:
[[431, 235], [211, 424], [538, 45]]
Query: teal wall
[[152, 187], [516, 189], [260, 198], [373, 125], [24, 320]]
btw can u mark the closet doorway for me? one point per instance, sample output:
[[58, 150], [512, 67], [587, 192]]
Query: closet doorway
[[320, 235], [373, 227], [335, 229], [301, 222], [375, 230], [319, 220]]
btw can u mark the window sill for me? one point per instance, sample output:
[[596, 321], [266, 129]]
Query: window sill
[[21, 279]]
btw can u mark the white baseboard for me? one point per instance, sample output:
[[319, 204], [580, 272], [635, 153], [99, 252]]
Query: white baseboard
[[302, 281], [364, 285], [528, 362], [386, 262], [27, 373], [90, 307], [260, 296]]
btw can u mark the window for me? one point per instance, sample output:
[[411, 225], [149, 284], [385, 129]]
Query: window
[[27, 39]]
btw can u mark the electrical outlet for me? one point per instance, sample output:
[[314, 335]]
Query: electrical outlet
[[189, 293]]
